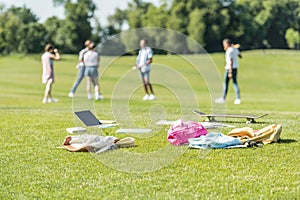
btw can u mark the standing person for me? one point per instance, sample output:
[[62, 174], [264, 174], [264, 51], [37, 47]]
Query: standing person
[[91, 62], [47, 58], [143, 63], [80, 67], [231, 69]]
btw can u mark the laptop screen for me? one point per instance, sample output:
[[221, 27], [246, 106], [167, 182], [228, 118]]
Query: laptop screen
[[88, 118]]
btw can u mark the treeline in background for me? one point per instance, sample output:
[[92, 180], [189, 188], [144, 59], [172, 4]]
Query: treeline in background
[[255, 24]]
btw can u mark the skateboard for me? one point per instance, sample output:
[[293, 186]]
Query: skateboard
[[212, 117]]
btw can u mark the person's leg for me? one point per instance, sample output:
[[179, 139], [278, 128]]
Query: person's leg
[[80, 76], [95, 81], [145, 82], [147, 78], [235, 84], [48, 88], [47, 93], [226, 83], [96, 87], [88, 87], [149, 85]]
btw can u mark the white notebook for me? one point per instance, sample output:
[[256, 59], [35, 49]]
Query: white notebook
[[74, 130], [133, 130]]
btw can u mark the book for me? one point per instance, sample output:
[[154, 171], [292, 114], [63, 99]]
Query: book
[[135, 130], [74, 130]]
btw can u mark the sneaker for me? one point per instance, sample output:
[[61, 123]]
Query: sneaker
[[90, 96], [151, 97], [146, 97], [99, 97], [71, 94], [52, 100], [45, 100], [220, 100], [237, 101]]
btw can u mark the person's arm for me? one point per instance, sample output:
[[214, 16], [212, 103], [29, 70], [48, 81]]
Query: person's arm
[[230, 69], [150, 55], [81, 54], [98, 60], [56, 55], [231, 55], [149, 61], [138, 59], [239, 53]]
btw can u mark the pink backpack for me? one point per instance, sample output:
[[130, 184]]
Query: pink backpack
[[181, 131]]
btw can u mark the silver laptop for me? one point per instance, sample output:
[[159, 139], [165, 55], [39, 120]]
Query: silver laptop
[[89, 119]]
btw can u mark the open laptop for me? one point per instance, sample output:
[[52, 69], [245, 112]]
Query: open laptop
[[89, 119]]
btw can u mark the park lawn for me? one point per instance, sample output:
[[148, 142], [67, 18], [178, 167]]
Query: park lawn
[[33, 168]]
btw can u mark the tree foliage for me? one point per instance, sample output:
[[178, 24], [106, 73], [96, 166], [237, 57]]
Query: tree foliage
[[292, 37], [20, 31], [253, 24], [76, 27]]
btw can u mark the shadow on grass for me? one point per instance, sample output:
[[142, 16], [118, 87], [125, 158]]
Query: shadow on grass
[[287, 141]]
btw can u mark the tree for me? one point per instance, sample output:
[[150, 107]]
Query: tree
[[196, 26], [31, 38], [135, 12], [254, 24], [216, 18], [117, 20], [24, 14], [19, 31], [292, 37], [248, 26], [52, 25], [77, 26], [9, 26], [155, 17], [275, 17], [178, 19]]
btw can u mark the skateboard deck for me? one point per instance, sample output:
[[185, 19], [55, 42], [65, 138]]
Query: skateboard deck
[[212, 117]]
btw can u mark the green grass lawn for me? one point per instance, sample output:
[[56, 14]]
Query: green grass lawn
[[33, 168]]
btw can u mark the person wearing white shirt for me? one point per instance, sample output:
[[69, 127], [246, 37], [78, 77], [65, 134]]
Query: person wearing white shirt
[[231, 69], [80, 67], [143, 63], [91, 62]]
